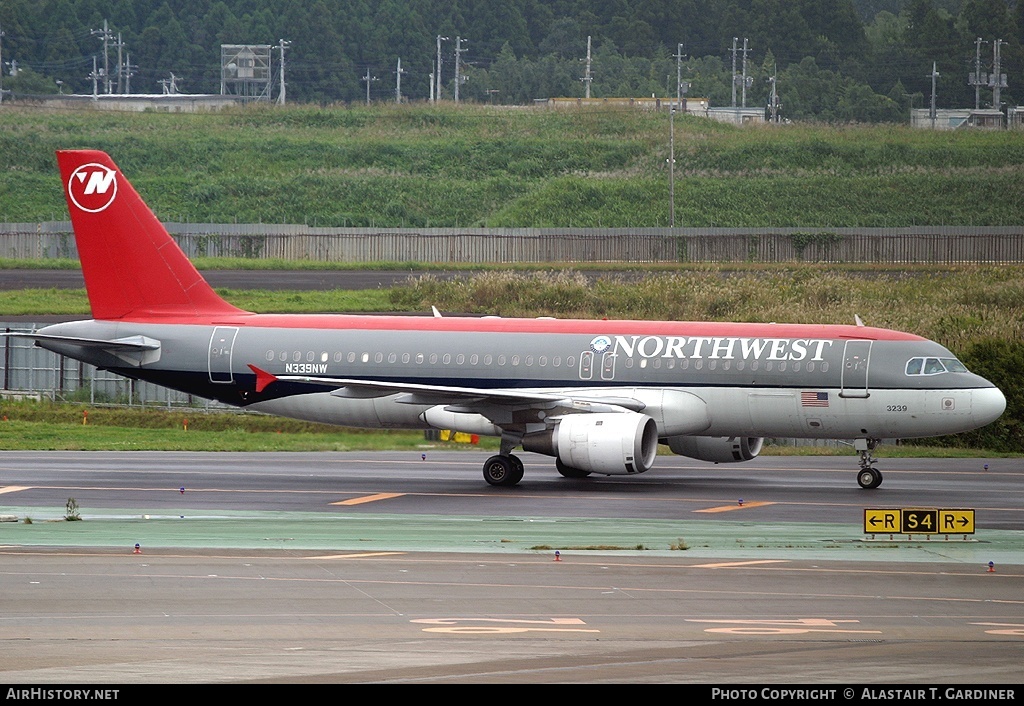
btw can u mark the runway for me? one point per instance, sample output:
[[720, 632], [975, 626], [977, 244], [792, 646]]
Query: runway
[[393, 568]]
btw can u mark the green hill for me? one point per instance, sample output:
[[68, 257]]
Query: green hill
[[443, 166]]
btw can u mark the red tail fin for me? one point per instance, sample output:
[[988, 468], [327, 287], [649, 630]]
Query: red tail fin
[[132, 267]]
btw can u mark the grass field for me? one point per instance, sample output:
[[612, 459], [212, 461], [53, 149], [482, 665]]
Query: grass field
[[443, 166]]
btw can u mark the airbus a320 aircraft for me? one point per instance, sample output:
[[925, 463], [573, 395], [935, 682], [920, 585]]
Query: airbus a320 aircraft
[[598, 396]]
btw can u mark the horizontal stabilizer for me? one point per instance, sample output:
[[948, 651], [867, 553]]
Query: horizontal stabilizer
[[135, 350]]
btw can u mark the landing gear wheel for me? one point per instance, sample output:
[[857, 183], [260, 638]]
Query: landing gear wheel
[[569, 471], [501, 470], [869, 478]]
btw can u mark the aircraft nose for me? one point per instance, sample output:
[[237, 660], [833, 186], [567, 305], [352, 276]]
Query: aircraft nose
[[987, 405]]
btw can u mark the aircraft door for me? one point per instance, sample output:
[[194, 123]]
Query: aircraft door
[[221, 344], [586, 365], [608, 365], [855, 369]]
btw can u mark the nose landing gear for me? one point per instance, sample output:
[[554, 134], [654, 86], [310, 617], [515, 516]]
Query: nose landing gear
[[868, 477]]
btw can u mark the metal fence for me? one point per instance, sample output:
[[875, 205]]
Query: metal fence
[[913, 245]]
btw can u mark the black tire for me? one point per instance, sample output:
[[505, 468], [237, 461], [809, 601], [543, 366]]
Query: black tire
[[569, 471], [869, 478], [500, 471]]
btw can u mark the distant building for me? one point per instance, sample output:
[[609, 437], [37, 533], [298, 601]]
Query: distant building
[[737, 116], [697, 106], [1015, 117], [139, 102], [957, 119]]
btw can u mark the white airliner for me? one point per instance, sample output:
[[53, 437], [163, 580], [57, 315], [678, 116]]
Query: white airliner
[[598, 396]]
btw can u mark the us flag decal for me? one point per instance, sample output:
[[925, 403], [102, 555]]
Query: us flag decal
[[814, 399]]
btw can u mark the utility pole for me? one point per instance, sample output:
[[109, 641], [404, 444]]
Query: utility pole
[[587, 78], [773, 107], [671, 167], [976, 80], [458, 64], [1, 67], [679, 76], [94, 76], [104, 34], [437, 75], [998, 79], [734, 40], [368, 80], [744, 72], [935, 75], [282, 45], [398, 81], [128, 72], [120, 78]]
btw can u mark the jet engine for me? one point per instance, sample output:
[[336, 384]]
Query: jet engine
[[717, 449], [608, 443]]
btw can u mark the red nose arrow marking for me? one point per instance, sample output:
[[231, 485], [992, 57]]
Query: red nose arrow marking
[[263, 378]]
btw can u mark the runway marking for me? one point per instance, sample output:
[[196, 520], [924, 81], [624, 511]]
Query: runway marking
[[1011, 629], [363, 555], [731, 564], [369, 499], [780, 627], [729, 508], [509, 626], [14, 488]]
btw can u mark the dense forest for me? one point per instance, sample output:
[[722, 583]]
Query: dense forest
[[830, 60]]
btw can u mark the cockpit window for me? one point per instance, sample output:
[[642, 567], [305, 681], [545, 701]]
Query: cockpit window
[[934, 366], [954, 366]]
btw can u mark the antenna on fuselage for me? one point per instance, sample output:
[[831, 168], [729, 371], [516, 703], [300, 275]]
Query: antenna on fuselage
[[856, 318], [437, 314]]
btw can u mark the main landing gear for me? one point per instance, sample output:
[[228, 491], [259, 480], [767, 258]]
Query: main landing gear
[[503, 470], [868, 477]]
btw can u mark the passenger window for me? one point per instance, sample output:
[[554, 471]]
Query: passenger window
[[914, 366]]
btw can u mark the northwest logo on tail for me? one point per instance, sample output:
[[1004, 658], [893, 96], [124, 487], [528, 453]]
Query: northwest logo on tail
[[92, 187]]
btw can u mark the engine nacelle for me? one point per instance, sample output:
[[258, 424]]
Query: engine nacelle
[[718, 449], [611, 444]]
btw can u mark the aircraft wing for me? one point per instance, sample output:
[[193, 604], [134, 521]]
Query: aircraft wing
[[461, 399]]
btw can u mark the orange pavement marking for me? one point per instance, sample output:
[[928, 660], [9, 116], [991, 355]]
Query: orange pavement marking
[[369, 499], [730, 508]]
